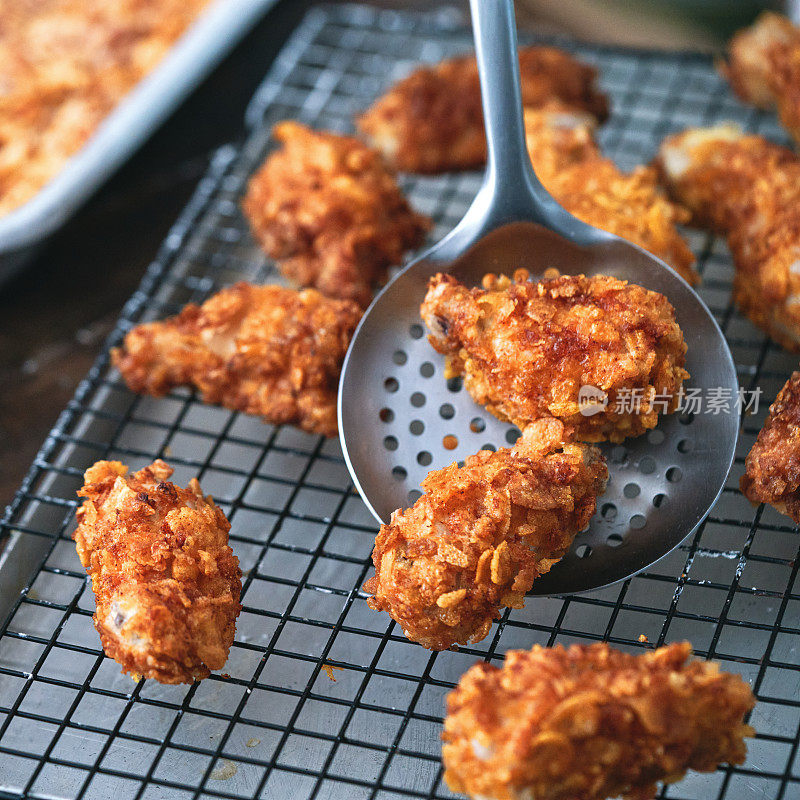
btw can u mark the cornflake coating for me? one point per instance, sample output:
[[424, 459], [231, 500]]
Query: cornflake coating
[[166, 582], [432, 121], [749, 189], [64, 66], [264, 350], [330, 211], [764, 67], [772, 467], [481, 534], [525, 349], [631, 205], [591, 722]]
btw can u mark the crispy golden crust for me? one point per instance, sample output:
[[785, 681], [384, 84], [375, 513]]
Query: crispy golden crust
[[631, 205], [432, 121], [64, 65], [749, 189], [591, 722], [764, 67], [482, 533], [330, 211], [166, 582], [264, 350], [772, 467], [525, 349]]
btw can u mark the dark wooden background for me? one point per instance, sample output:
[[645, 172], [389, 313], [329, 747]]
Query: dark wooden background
[[55, 315]]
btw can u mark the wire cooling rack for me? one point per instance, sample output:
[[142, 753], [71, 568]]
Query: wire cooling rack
[[321, 697]]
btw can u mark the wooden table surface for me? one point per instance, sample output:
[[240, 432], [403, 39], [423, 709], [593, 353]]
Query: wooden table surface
[[55, 315]]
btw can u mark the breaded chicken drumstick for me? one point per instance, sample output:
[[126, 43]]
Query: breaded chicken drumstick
[[590, 723], [328, 209], [263, 350], [526, 349], [772, 467], [764, 67], [432, 121], [594, 189], [749, 189], [165, 580], [481, 534]]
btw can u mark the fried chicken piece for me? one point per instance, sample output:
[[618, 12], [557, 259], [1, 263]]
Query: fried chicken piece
[[64, 66], [432, 121], [328, 209], [525, 349], [772, 467], [591, 722], [592, 188], [749, 189], [764, 67], [264, 350], [166, 582], [481, 534]]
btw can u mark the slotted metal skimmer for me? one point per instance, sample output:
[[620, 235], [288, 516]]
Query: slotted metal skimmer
[[399, 418]]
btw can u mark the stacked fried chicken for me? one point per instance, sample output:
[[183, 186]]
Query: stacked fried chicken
[[481, 534]]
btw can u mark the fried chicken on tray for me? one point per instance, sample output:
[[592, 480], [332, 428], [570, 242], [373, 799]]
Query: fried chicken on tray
[[166, 582], [263, 350], [432, 120], [331, 213], [590, 723], [764, 67], [598, 192], [772, 467], [525, 349], [748, 188], [481, 534]]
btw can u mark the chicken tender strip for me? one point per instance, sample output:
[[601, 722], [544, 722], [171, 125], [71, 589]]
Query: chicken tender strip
[[747, 188], [764, 67], [631, 205], [772, 467], [264, 350], [525, 349], [166, 582], [481, 534], [590, 723], [432, 120], [328, 209]]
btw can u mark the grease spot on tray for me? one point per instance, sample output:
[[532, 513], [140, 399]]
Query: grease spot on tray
[[224, 771]]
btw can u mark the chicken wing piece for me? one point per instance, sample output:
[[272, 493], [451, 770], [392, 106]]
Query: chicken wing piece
[[526, 349], [328, 209], [166, 582], [432, 121], [764, 67], [631, 205], [264, 350], [591, 722], [749, 189], [772, 467], [481, 534]]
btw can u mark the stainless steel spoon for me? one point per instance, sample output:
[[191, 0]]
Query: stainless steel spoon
[[399, 418]]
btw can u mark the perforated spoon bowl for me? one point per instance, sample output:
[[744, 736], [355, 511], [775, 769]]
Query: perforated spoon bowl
[[399, 418]]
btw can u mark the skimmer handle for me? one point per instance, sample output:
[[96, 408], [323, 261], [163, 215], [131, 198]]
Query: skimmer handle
[[511, 191]]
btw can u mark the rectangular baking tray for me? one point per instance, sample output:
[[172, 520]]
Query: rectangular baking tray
[[273, 725], [210, 37]]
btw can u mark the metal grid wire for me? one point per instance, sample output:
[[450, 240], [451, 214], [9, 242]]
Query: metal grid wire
[[275, 725]]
